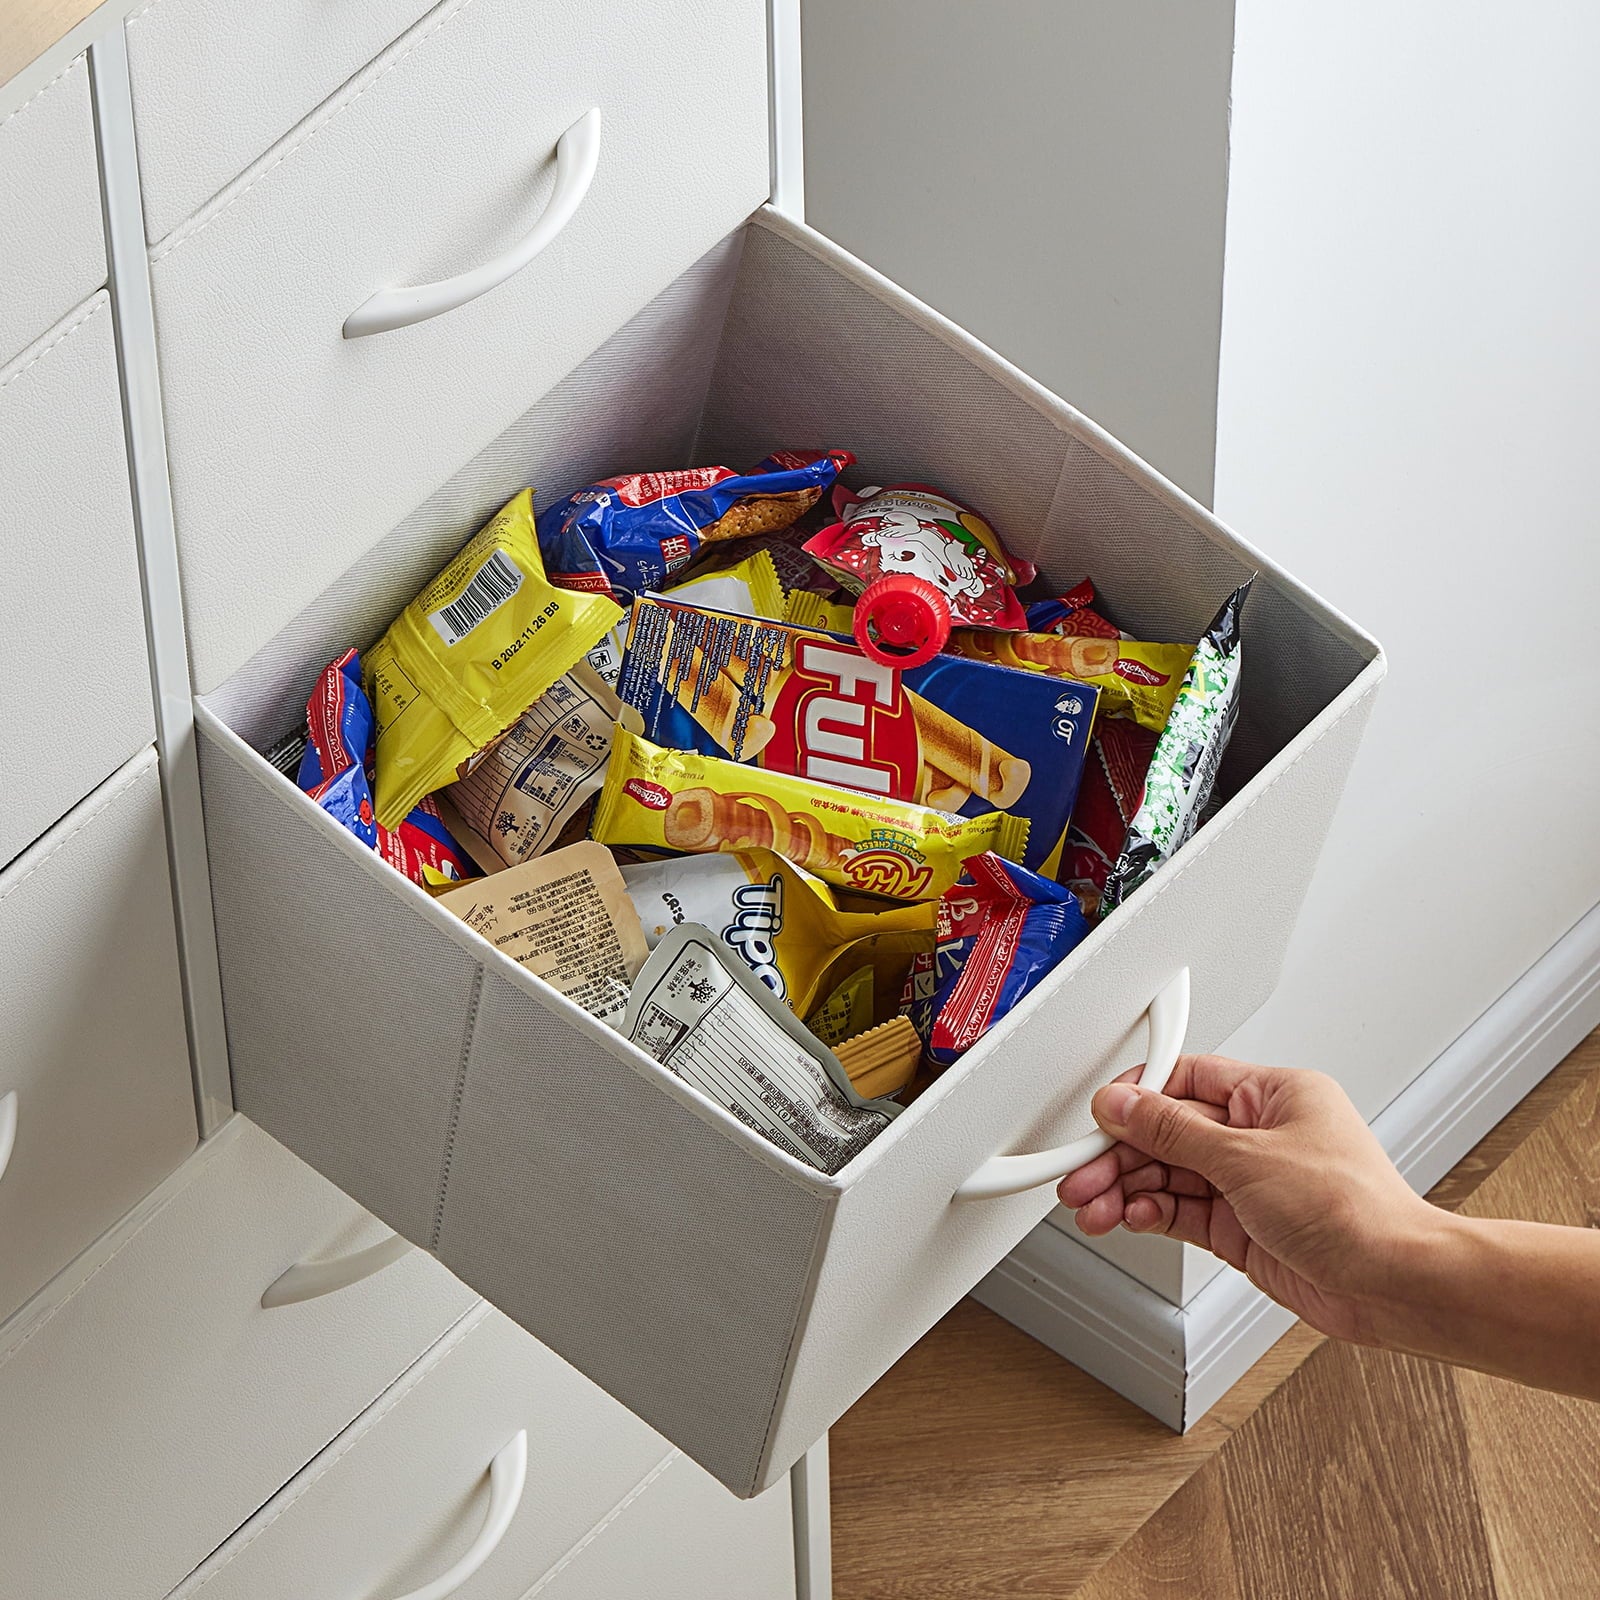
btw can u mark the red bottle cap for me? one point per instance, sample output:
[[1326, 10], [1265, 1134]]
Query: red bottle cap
[[902, 621]]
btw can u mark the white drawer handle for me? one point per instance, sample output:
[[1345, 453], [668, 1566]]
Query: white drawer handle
[[8, 1129], [307, 1280], [1003, 1175], [577, 156], [508, 1473]]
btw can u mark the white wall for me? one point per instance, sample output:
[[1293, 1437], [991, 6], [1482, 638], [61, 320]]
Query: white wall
[[1408, 399], [1408, 418], [1050, 173]]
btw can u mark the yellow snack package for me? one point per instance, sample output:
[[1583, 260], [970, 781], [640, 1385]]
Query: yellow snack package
[[806, 610], [846, 1012], [781, 921], [1136, 680], [749, 587], [680, 800], [469, 655], [884, 1060]]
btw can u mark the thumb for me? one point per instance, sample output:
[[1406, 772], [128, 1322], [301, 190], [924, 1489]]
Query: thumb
[[1170, 1130]]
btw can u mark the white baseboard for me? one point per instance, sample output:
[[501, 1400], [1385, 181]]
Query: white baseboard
[[1178, 1361]]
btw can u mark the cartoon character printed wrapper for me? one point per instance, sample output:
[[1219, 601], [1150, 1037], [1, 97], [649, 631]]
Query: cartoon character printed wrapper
[[1135, 679], [961, 736], [1002, 929], [780, 920], [624, 535], [469, 655], [910, 537], [333, 772], [1183, 768], [679, 800], [1108, 799]]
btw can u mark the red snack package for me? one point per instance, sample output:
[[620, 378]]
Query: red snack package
[[1071, 615], [1109, 796], [922, 565]]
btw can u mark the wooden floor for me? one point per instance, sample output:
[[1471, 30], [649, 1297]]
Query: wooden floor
[[983, 1466]]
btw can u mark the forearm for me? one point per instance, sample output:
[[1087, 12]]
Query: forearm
[[1518, 1299]]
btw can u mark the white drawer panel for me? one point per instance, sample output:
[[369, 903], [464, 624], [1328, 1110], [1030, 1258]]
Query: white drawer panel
[[152, 1411], [52, 247], [216, 82], [686, 1538], [92, 1017], [293, 450], [737, 1300], [72, 653], [401, 1496]]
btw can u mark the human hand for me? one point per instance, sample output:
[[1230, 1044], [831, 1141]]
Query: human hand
[[1270, 1168]]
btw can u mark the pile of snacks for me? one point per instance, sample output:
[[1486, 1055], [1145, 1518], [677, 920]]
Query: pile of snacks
[[803, 811]]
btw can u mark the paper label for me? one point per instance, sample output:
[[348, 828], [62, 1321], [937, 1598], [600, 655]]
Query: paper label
[[714, 1025]]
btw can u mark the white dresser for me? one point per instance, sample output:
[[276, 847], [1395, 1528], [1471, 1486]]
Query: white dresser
[[468, 1297]]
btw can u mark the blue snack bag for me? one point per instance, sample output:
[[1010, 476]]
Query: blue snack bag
[[333, 772], [1002, 929], [624, 535]]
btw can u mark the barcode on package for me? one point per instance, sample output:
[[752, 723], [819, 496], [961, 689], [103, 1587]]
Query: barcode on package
[[492, 585]]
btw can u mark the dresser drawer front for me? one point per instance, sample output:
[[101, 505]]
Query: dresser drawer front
[[52, 247], [218, 82], [95, 1063], [294, 450], [72, 653], [154, 1410], [401, 1497], [738, 1301]]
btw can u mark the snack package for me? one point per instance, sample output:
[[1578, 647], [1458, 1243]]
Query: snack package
[[958, 735], [605, 660], [1108, 798], [473, 651], [656, 799], [785, 549], [1135, 679], [1001, 930], [567, 918], [702, 1014], [963, 576], [1183, 768], [628, 534], [848, 1009], [805, 609], [883, 1060], [335, 750], [780, 920], [1071, 613], [750, 586], [520, 793]]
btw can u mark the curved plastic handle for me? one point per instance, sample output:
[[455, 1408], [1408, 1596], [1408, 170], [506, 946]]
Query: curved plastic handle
[[577, 156], [8, 1129], [508, 1473], [1003, 1175], [308, 1280]]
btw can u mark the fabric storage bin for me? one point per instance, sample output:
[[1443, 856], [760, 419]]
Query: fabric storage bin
[[96, 1102], [54, 253], [293, 450], [736, 1299], [217, 82], [72, 654], [424, 1488], [154, 1405]]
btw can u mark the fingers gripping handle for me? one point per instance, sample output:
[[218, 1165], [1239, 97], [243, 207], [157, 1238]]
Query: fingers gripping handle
[[1002, 1175], [577, 157], [508, 1475]]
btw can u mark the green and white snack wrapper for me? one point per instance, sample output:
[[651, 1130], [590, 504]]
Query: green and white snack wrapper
[[1183, 768]]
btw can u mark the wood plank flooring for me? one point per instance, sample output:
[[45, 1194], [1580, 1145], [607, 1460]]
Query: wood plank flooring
[[982, 1466]]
